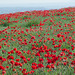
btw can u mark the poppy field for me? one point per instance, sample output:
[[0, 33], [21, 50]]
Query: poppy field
[[38, 42]]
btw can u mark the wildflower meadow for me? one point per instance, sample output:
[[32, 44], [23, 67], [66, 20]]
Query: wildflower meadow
[[38, 42]]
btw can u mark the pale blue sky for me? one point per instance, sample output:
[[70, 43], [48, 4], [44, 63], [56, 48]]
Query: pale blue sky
[[37, 3]]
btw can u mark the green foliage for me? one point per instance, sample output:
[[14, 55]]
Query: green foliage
[[5, 24], [32, 22], [24, 17]]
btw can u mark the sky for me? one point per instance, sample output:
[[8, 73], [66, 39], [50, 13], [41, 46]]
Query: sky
[[37, 3]]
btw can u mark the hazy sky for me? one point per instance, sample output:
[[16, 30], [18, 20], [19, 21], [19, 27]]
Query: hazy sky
[[36, 3]]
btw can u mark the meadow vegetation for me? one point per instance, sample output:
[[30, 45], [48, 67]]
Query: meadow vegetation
[[38, 42]]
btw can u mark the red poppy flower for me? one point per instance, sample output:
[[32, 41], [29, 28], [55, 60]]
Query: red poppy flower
[[28, 59], [16, 64], [17, 59], [40, 65], [0, 57], [58, 35], [34, 67], [0, 47], [40, 59], [48, 66]]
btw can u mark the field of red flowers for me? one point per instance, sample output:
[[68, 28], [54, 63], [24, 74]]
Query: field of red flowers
[[38, 42]]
